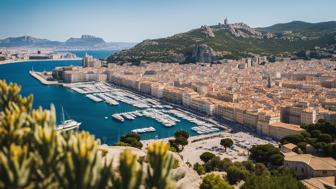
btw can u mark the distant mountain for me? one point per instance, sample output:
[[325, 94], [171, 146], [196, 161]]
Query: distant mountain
[[27, 41], [232, 41], [299, 26], [84, 42]]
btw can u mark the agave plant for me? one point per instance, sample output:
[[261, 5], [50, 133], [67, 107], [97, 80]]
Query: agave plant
[[130, 173], [161, 164], [34, 155]]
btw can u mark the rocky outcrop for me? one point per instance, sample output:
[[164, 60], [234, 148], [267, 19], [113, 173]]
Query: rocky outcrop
[[245, 31], [203, 53], [207, 31]]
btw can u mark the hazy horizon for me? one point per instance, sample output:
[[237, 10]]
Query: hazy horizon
[[135, 21]]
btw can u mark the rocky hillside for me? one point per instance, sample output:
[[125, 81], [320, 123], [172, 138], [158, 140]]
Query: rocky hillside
[[212, 43]]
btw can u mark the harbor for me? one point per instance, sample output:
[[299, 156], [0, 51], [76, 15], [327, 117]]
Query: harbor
[[96, 117], [164, 114]]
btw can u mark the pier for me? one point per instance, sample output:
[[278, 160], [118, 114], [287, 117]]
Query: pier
[[39, 76]]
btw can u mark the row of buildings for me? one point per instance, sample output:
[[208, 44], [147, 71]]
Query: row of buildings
[[24, 54]]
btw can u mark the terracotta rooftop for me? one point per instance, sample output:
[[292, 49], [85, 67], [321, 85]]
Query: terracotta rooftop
[[287, 126], [316, 163]]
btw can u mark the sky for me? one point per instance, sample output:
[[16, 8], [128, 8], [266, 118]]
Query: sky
[[137, 20]]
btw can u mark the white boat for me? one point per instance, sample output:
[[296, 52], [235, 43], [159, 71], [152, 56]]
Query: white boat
[[144, 130], [94, 98], [67, 125], [118, 117], [128, 116]]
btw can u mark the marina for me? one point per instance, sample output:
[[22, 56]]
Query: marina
[[164, 114]]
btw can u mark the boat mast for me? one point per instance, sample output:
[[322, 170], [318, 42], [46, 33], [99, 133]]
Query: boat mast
[[63, 114]]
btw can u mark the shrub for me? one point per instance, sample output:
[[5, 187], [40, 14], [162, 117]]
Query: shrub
[[226, 142], [182, 133], [236, 174], [264, 154], [132, 139], [212, 181], [199, 168], [207, 156]]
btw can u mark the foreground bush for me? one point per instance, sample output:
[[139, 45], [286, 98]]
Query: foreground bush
[[212, 181], [34, 155]]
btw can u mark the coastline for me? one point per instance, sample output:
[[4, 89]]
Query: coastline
[[23, 61]]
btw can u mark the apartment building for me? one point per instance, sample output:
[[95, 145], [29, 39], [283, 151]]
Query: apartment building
[[225, 110], [265, 118], [202, 105], [157, 90], [188, 96], [173, 94], [145, 87], [308, 166], [278, 130], [298, 114]]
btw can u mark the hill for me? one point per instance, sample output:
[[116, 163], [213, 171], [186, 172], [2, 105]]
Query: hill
[[230, 41], [299, 26], [27, 41], [83, 42]]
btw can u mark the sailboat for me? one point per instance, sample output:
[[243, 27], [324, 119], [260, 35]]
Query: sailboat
[[67, 125]]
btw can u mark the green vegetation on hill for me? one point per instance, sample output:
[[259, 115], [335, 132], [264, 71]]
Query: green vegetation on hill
[[179, 48], [299, 26]]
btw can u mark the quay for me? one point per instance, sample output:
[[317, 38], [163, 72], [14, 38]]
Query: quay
[[43, 80]]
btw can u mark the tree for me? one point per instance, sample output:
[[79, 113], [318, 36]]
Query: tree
[[212, 181], [248, 165], [215, 164], [207, 156], [132, 139], [226, 142], [320, 145], [276, 159], [330, 150], [302, 146], [236, 174], [315, 133], [260, 169], [274, 182], [292, 139], [279, 178], [325, 138], [264, 154], [199, 168], [181, 141], [182, 133]]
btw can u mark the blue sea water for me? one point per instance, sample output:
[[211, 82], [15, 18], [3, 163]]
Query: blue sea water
[[95, 53], [80, 108]]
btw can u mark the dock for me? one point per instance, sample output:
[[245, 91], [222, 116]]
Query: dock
[[39, 76]]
